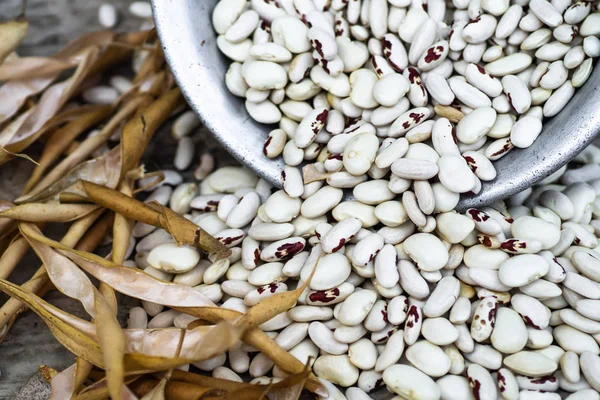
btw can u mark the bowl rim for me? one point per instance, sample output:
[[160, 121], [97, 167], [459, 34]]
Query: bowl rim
[[178, 35]]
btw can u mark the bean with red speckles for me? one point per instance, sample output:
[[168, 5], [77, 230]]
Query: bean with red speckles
[[397, 310], [367, 249], [433, 56], [282, 249], [507, 384], [533, 312], [484, 319], [337, 237], [413, 324], [481, 382], [310, 127], [480, 29], [409, 120], [416, 94], [322, 42], [518, 95], [330, 296], [541, 384], [255, 296]]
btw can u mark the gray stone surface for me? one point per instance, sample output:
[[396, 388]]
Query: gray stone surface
[[36, 388], [55, 22]]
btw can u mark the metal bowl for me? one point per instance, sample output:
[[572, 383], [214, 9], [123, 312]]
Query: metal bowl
[[189, 42]]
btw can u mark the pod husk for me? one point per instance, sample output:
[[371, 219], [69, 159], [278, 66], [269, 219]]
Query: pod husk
[[33, 67], [78, 232], [183, 230], [73, 161], [13, 254], [53, 212], [49, 104], [140, 129], [60, 139], [453, 115], [12, 34], [130, 281], [104, 170], [20, 90]]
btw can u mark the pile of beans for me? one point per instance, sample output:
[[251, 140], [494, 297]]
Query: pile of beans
[[347, 80], [384, 98], [502, 301]]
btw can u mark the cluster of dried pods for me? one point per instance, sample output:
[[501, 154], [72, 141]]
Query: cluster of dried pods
[[85, 178]]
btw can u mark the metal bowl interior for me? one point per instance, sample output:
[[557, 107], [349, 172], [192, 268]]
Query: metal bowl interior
[[189, 42], [190, 46]]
